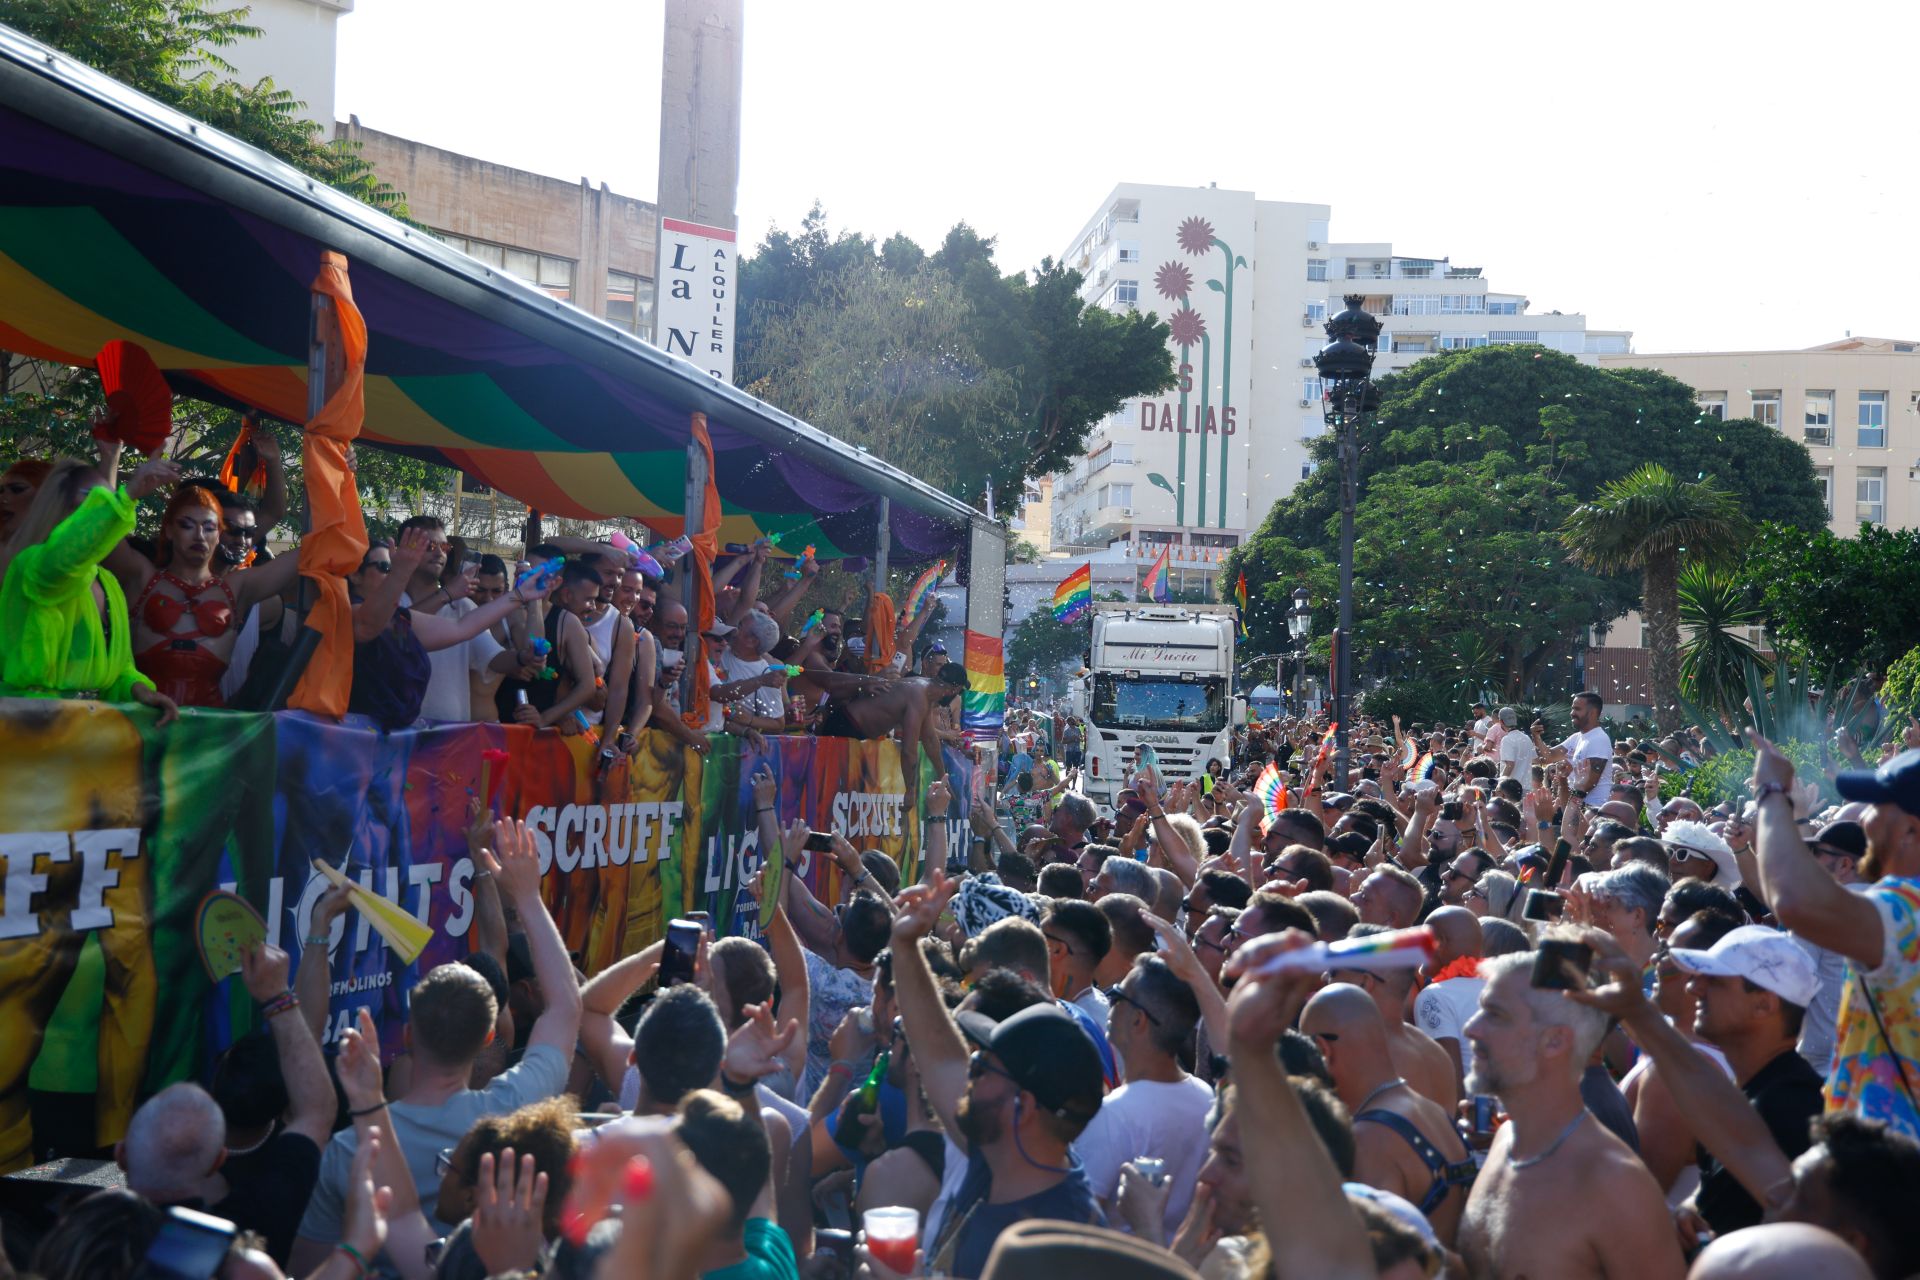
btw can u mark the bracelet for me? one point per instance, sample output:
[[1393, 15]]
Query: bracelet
[[847, 1065], [1771, 789], [367, 1111], [360, 1263], [318, 940], [279, 1005], [730, 1085], [763, 809], [481, 873]]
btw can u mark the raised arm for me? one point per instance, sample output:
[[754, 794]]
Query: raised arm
[[605, 1042], [933, 828], [262, 582], [358, 1063], [939, 1052], [314, 982], [310, 1108], [789, 959], [780, 607], [437, 631], [374, 613], [815, 923], [750, 584], [1172, 845], [619, 682], [515, 860], [489, 912], [1804, 896]]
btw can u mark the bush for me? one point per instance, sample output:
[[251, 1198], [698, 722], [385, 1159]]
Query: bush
[[1723, 778], [1424, 702], [1901, 692]]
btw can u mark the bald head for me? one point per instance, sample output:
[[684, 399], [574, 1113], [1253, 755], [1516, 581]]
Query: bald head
[[1456, 930], [669, 613], [1779, 1251], [1344, 1010], [173, 1144]]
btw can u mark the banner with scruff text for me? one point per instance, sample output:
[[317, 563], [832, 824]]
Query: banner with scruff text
[[112, 833]]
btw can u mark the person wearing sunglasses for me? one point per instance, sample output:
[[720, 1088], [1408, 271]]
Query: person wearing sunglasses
[[1160, 1113], [1694, 850]]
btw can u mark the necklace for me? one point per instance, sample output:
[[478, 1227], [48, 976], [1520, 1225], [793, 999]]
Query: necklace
[[1552, 1147], [1394, 1083]]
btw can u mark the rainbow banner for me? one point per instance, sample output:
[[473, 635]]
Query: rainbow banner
[[113, 834], [1074, 596], [1155, 585], [983, 708]]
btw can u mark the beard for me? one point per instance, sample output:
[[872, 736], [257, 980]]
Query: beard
[[980, 1126], [1485, 1076]]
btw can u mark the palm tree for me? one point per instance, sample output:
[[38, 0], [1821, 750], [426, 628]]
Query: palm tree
[[1714, 660], [1649, 520]]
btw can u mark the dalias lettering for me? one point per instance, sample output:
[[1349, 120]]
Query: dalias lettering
[[1171, 417]]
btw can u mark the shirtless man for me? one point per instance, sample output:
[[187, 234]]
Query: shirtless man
[[870, 707], [1560, 1196], [1403, 1142], [1416, 1055]]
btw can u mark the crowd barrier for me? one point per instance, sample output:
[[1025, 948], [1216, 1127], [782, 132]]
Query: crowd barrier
[[113, 831]]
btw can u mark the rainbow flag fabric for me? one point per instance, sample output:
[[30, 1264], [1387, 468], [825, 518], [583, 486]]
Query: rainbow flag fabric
[[1240, 598], [1074, 597], [1155, 585], [983, 707]]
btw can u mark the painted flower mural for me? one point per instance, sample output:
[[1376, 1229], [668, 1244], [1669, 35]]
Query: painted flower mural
[[1188, 326], [1195, 236], [1173, 280]]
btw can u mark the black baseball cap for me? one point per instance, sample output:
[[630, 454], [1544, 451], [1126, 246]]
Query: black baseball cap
[[1897, 782], [1848, 838], [1047, 1054]]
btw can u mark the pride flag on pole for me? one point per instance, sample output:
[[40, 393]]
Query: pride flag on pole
[[1074, 596], [983, 707], [1155, 584], [1240, 598]]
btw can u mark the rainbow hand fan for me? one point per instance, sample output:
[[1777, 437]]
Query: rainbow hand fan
[[1422, 769], [1410, 754], [922, 591], [1271, 792]]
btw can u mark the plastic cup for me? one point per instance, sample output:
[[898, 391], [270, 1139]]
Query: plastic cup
[[893, 1234]]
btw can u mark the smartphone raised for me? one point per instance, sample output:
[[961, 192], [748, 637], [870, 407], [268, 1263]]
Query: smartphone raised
[[189, 1246], [676, 959], [819, 842], [1543, 904], [1560, 965]]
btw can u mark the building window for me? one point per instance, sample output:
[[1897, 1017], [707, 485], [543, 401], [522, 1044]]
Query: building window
[[1416, 269], [1306, 468], [1126, 293], [1414, 304], [1514, 335], [1508, 308], [630, 302], [1310, 389], [552, 276], [1766, 407], [1422, 345], [1873, 420], [1316, 268], [1819, 424], [1317, 312], [1462, 341], [1129, 251], [1117, 495], [1823, 476], [1463, 304], [1870, 495], [1713, 404]]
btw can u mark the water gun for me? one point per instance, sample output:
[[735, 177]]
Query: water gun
[[636, 554], [673, 552], [814, 619], [540, 575], [792, 670], [805, 557], [541, 647]]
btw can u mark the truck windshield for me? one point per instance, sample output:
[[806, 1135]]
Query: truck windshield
[[1192, 706]]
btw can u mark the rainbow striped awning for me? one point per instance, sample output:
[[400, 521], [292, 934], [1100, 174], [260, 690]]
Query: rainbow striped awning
[[123, 219]]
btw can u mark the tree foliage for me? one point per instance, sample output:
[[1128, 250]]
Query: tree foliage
[[1901, 692], [1845, 603], [1466, 474], [1043, 643], [1714, 658], [938, 362]]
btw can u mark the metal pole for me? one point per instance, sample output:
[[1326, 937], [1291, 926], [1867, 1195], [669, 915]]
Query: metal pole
[[1343, 635], [883, 542], [325, 365], [696, 506]]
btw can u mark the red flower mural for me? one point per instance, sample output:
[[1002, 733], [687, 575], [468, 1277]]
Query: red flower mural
[[1188, 326], [1173, 280], [1195, 236]]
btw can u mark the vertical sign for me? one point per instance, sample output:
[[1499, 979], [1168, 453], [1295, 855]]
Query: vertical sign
[[694, 310]]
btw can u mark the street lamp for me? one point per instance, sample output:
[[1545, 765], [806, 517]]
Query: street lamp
[[1299, 626], [1344, 365]]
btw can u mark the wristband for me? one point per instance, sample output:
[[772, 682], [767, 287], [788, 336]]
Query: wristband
[[367, 1111], [847, 1065], [732, 1086], [763, 809], [318, 940], [353, 1254], [1772, 789], [279, 1005]]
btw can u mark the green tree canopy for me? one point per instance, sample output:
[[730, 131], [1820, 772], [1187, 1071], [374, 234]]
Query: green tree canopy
[[938, 362], [1042, 643], [1474, 461], [1845, 604]]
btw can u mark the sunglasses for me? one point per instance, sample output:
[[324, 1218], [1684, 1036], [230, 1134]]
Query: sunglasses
[[1118, 996], [977, 1066], [1828, 851], [378, 566]]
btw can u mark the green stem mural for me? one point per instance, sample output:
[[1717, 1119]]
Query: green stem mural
[[1200, 424], [1226, 380]]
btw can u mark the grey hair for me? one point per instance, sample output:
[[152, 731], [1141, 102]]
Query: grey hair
[[173, 1143], [1129, 876], [1636, 886], [1079, 809], [1588, 1025]]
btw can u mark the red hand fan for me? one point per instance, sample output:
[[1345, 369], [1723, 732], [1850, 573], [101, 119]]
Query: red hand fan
[[139, 399]]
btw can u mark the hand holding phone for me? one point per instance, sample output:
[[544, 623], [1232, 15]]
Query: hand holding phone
[[676, 959]]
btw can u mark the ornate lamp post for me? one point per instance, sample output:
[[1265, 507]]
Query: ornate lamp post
[[1344, 365], [1299, 627]]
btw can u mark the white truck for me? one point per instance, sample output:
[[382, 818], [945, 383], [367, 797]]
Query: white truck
[[1159, 676]]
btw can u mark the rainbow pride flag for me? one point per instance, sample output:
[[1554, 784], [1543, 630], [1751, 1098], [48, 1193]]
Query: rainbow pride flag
[[1155, 584], [1240, 598], [1074, 596], [983, 707]]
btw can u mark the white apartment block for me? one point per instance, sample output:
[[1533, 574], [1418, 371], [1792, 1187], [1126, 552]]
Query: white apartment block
[[1246, 285], [1855, 405]]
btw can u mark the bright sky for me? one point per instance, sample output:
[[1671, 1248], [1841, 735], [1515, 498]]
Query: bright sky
[[1712, 176]]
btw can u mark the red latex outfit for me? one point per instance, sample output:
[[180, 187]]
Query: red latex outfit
[[179, 666]]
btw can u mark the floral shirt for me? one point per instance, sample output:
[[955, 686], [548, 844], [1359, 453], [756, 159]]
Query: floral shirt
[[1867, 1073], [831, 992]]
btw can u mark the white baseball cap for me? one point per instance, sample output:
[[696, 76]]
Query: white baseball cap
[[1765, 957], [1698, 837]]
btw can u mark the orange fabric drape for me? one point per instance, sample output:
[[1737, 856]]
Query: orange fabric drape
[[706, 547], [254, 482], [880, 625], [336, 539]]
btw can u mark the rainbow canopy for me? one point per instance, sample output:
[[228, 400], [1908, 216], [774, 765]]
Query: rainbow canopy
[[1074, 595], [123, 219]]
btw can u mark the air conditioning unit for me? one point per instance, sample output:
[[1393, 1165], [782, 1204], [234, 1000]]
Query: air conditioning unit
[[1306, 321], [1126, 511], [1306, 362], [1313, 244], [1306, 404]]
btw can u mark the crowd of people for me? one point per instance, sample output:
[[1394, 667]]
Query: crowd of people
[[1644, 1037], [575, 636]]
